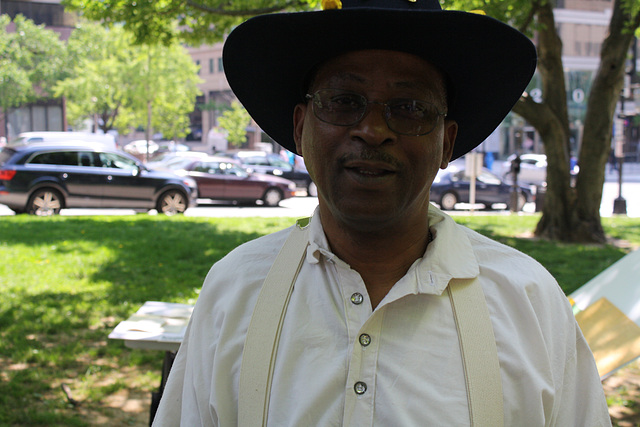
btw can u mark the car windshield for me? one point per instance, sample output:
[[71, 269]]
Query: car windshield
[[220, 168], [178, 163], [488, 178], [278, 162]]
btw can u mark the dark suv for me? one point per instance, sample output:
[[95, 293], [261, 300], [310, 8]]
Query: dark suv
[[43, 178]]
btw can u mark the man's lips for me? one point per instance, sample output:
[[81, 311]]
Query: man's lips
[[369, 168]]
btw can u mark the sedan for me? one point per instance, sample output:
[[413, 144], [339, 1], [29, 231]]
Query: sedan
[[452, 186], [220, 178], [268, 163]]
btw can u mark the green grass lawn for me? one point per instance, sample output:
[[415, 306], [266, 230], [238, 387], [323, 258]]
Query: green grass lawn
[[67, 281]]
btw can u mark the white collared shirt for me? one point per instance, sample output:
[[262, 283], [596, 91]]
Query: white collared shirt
[[340, 363]]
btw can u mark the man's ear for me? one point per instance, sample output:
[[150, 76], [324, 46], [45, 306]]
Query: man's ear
[[299, 114], [448, 142]]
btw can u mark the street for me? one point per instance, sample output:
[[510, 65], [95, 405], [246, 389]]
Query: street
[[303, 206]]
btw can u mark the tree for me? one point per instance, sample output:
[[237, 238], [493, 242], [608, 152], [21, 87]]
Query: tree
[[31, 61], [198, 21], [167, 90], [569, 214], [235, 122], [115, 81]]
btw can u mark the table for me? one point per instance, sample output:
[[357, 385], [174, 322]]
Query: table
[[156, 326]]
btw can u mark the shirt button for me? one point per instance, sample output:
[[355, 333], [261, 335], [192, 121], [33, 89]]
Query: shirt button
[[360, 387], [357, 298], [365, 340]]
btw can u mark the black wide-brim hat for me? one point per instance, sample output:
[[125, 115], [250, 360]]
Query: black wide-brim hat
[[488, 64]]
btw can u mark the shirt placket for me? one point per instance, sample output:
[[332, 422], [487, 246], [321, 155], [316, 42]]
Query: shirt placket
[[364, 329]]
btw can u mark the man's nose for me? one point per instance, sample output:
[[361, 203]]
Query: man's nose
[[373, 128]]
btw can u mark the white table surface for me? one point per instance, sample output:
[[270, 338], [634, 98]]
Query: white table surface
[[155, 326]]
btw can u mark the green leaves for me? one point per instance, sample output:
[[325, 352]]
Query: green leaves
[[31, 61], [192, 21], [114, 79], [235, 122]]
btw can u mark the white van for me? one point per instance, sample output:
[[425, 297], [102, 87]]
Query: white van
[[103, 138]]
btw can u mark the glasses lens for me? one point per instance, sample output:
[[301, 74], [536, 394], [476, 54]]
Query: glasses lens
[[411, 117], [338, 107], [404, 116]]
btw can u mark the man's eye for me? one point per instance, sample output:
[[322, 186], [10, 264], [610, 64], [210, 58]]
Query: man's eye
[[345, 101], [409, 107]]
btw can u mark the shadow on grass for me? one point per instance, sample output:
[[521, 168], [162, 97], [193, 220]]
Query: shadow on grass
[[69, 280], [572, 265]]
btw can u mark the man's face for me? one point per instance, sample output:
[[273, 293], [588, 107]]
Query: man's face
[[368, 175]]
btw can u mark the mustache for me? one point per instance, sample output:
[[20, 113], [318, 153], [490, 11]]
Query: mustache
[[369, 154]]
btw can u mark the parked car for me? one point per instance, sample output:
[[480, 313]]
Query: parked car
[[533, 169], [41, 179], [451, 186], [220, 178], [272, 164]]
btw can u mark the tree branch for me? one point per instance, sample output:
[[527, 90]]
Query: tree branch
[[244, 12], [535, 6]]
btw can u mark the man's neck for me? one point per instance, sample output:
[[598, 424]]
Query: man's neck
[[381, 257]]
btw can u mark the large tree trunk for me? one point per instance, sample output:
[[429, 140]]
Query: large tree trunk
[[573, 215], [596, 141], [551, 120]]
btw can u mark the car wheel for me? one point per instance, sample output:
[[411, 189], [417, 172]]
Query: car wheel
[[45, 202], [448, 201], [272, 197], [312, 190], [172, 202]]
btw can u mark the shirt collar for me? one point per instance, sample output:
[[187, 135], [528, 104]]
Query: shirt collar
[[449, 255]]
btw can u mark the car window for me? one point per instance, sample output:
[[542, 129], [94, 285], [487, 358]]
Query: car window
[[255, 160], [116, 161], [280, 163], [63, 158], [208, 167], [89, 158], [458, 176], [233, 169]]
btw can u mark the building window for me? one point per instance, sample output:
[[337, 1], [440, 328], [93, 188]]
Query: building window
[[39, 12], [220, 66], [211, 67], [198, 65]]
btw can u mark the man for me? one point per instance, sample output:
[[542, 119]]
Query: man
[[376, 96]]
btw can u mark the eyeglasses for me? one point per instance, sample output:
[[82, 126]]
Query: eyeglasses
[[404, 116]]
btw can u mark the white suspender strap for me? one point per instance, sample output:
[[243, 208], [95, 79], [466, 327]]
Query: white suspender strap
[[261, 343], [479, 352], [477, 342]]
